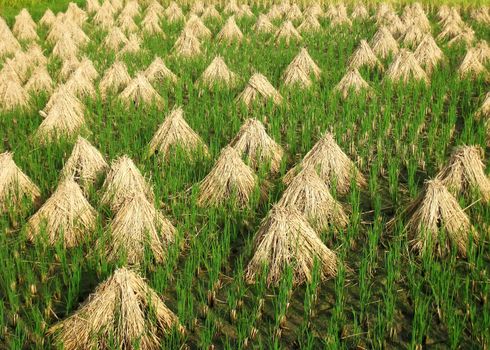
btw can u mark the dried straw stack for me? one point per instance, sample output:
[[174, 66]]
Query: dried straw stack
[[132, 46], [286, 239], [263, 25], [151, 25], [363, 56], [360, 12], [115, 79], [195, 26], [230, 178], [352, 82], [123, 310], [14, 184], [124, 181], [85, 163], [173, 13], [259, 87], [428, 54], [187, 45], [65, 216], [217, 74], [157, 72], [311, 196], [173, 133], [465, 173], [295, 76], [471, 67], [259, 148], [435, 221], [24, 27], [137, 225], [484, 111], [287, 33], [210, 13], [140, 92], [12, 94], [331, 164], [309, 25], [306, 63], [48, 18], [115, 39], [482, 51], [63, 116], [383, 43], [404, 68], [230, 32]]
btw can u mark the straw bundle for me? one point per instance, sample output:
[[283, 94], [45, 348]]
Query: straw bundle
[[13, 95], [306, 63], [295, 76], [435, 221], [331, 164], [231, 8], [75, 14], [9, 44], [105, 16], [481, 14], [7, 74], [115, 79], [482, 51], [309, 25], [137, 225], [80, 85], [294, 13], [428, 54], [197, 8], [127, 24], [156, 8], [20, 65], [115, 39], [274, 13], [259, 148], [173, 13], [187, 45], [24, 27], [139, 92], [173, 133], [450, 30], [131, 9], [413, 36], [466, 37], [351, 82], [35, 56], [132, 46], [68, 67], [39, 82], [245, 11], [65, 48], [64, 27], [258, 86], [66, 215], [117, 5], [360, 12], [123, 310], [263, 25], [62, 93], [314, 9], [230, 32], [195, 26], [391, 21], [405, 67], [62, 117], [471, 67], [465, 172], [157, 71], [311, 197], [124, 181], [363, 56], [14, 184], [287, 33], [340, 20], [151, 24], [85, 163], [217, 74], [229, 178], [286, 239], [92, 6], [211, 13], [48, 18]]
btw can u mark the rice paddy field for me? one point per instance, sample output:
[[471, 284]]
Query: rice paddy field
[[196, 175]]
